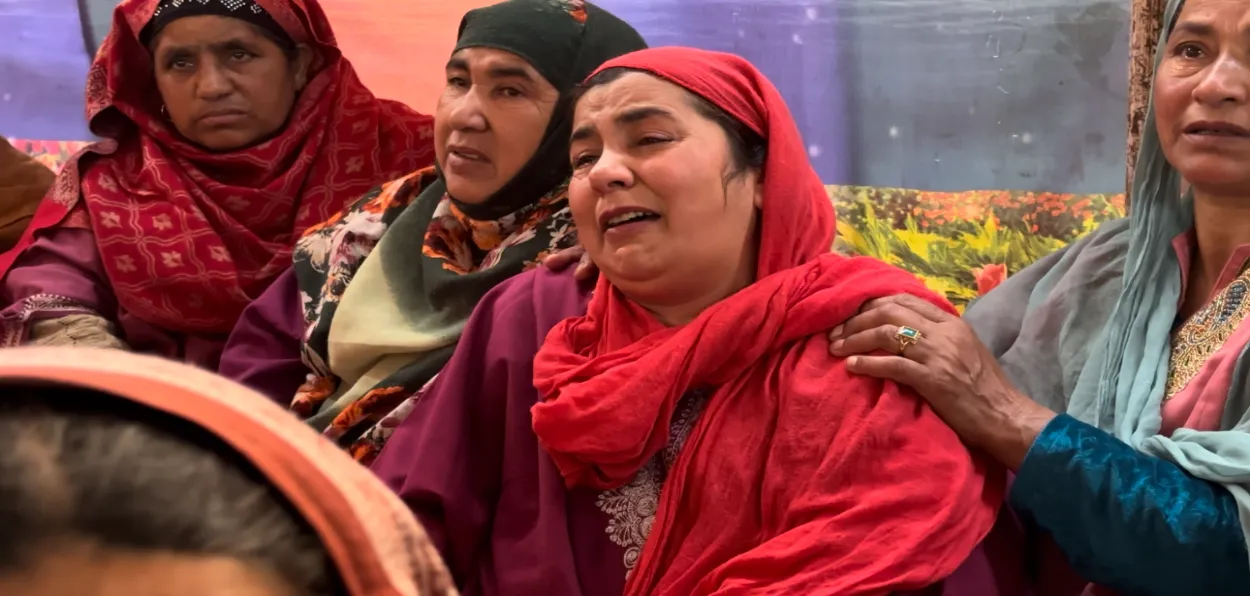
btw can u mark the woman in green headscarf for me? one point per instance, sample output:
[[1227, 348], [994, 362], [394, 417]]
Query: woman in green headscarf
[[344, 339], [1112, 376]]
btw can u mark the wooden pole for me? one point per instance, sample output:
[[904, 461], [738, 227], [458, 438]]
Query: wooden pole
[[1144, 29]]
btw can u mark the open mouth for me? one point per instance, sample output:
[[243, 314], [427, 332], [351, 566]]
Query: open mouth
[[1216, 129], [468, 154], [620, 217]]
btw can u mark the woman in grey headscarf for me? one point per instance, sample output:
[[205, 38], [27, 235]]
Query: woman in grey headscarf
[[1111, 376]]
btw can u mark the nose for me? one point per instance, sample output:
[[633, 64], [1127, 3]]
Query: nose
[[213, 82], [467, 114], [1225, 82], [610, 172]]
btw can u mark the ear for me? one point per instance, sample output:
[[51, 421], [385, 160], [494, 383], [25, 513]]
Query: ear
[[758, 199], [303, 62]]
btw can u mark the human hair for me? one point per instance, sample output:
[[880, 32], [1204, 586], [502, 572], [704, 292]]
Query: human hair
[[79, 465], [747, 149]]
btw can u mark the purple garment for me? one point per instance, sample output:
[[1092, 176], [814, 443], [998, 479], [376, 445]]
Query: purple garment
[[468, 464], [61, 274], [263, 351]]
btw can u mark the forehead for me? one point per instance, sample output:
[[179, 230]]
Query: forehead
[[632, 90], [205, 29], [1208, 16], [489, 60]]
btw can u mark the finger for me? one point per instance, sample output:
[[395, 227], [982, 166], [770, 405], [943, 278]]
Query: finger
[[885, 313], [586, 269], [892, 368], [559, 261], [924, 308], [883, 339]]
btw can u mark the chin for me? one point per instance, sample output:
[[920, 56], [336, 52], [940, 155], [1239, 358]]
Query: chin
[[469, 193], [1218, 179], [224, 142]]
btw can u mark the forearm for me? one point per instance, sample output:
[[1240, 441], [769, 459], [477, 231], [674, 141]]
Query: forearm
[[1129, 521]]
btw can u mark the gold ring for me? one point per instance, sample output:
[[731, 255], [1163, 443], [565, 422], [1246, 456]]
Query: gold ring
[[907, 337]]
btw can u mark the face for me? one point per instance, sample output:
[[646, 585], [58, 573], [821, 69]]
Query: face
[[92, 571], [225, 85], [1201, 94], [654, 196], [490, 121]]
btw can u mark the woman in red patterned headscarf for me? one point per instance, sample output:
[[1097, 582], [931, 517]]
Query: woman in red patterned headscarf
[[228, 127]]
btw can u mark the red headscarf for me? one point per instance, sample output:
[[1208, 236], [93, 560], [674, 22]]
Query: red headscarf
[[798, 477], [189, 237]]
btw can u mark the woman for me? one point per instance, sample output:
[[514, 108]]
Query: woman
[[229, 127], [1111, 376], [23, 182], [127, 474], [375, 330], [683, 433]]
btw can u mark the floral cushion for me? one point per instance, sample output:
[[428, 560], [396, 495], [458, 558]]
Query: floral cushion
[[962, 244]]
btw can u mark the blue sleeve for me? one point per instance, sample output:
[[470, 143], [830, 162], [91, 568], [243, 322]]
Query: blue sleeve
[[1128, 521]]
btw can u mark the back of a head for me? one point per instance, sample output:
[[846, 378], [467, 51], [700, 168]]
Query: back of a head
[[97, 489]]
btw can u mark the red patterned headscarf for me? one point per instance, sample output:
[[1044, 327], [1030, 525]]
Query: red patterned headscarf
[[189, 237]]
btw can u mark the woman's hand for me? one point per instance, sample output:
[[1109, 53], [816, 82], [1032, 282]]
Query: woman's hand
[[949, 367], [574, 254]]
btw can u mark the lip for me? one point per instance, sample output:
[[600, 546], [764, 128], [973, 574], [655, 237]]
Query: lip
[[1219, 127], [224, 115], [468, 153], [607, 215]]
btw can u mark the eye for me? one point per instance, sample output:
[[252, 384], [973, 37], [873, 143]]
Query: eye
[[583, 160], [457, 82], [1191, 51], [653, 140], [178, 64], [240, 55], [511, 92]]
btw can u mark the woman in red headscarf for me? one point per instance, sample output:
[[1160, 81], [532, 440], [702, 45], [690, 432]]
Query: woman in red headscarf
[[689, 433], [228, 127]]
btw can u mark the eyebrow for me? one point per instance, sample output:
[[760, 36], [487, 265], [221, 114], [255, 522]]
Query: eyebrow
[[1194, 28], [494, 72], [233, 43], [630, 116]]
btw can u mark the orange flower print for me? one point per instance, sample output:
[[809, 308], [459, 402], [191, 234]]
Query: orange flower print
[[989, 276], [576, 9], [370, 408], [310, 395]]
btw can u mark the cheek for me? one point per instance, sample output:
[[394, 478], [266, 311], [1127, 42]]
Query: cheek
[[273, 96], [582, 203], [178, 97], [517, 136]]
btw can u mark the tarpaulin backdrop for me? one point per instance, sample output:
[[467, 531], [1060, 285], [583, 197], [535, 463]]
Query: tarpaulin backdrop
[[934, 94]]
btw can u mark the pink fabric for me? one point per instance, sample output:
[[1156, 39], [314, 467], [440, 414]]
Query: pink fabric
[[65, 262], [1200, 405]]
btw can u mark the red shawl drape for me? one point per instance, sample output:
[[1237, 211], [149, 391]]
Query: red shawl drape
[[188, 237], [799, 478]]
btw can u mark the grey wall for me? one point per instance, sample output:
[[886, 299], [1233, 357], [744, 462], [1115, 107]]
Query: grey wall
[[934, 94], [1003, 94]]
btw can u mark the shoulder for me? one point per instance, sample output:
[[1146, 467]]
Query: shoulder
[[362, 223], [539, 295], [857, 280]]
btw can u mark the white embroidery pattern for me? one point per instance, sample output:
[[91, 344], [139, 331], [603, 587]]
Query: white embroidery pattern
[[631, 508]]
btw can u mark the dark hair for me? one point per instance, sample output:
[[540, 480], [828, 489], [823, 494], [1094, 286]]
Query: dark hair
[[747, 148], [81, 465]]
